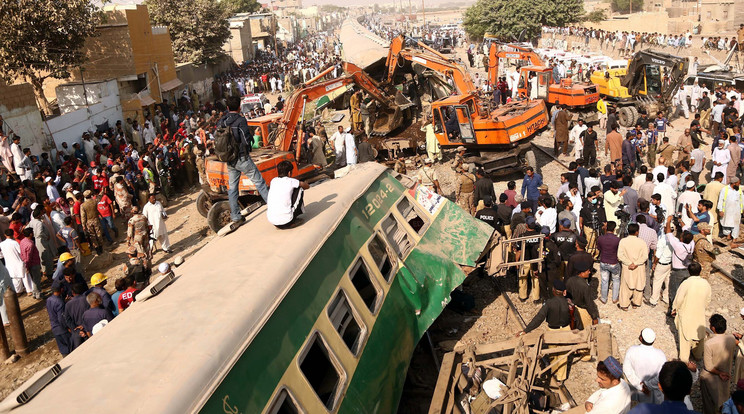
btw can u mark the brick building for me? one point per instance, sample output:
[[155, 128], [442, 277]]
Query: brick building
[[240, 44], [135, 53]]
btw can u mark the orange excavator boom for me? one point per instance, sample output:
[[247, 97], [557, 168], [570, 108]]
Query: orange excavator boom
[[434, 61]]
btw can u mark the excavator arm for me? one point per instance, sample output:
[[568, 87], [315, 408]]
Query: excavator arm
[[295, 107], [432, 60], [518, 52], [635, 76]]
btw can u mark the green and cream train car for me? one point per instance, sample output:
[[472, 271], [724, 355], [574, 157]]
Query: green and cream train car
[[321, 318]]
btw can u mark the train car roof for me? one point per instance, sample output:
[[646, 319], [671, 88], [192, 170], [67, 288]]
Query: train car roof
[[167, 354]]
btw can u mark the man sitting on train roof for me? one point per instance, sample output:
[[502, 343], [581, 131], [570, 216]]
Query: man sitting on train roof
[[285, 201]]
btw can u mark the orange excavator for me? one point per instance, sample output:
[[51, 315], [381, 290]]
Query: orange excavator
[[536, 82], [282, 144], [499, 138]]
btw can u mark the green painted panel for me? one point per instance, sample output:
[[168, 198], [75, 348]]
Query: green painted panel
[[417, 297]]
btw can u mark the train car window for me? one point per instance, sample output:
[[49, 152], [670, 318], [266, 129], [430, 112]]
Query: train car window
[[345, 322], [411, 216], [284, 404], [361, 280], [396, 236], [382, 259], [320, 372]]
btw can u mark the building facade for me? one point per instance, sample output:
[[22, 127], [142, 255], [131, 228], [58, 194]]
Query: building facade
[[135, 53]]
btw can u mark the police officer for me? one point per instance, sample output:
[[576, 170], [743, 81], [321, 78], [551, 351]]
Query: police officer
[[487, 214], [565, 239]]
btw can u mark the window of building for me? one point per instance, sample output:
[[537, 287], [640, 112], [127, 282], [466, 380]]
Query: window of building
[[411, 216], [725, 15], [320, 372], [396, 236], [362, 282], [345, 322], [382, 259], [284, 404]]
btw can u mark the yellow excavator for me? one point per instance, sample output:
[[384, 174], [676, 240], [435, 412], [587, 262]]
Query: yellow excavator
[[648, 84]]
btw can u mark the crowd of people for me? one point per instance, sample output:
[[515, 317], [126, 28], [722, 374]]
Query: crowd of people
[[269, 72], [649, 219], [78, 199], [628, 42]]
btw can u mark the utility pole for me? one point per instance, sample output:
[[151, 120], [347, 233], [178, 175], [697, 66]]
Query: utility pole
[[423, 13]]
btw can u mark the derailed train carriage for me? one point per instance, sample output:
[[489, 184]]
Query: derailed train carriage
[[320, 318]]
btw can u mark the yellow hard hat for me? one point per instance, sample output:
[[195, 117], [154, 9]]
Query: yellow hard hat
[[65, 257], [97, 278]]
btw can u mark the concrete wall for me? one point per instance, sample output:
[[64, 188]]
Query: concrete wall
[[200, 77], [70, 126], [21, 115]]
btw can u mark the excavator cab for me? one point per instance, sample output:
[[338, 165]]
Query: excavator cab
[[653, 81], [534, 81], [454, 120]]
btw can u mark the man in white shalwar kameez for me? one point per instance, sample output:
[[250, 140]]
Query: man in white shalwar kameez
[[641, 365], [11, 250], [574, 138], [730, 209], [721, 157], [155, 214]]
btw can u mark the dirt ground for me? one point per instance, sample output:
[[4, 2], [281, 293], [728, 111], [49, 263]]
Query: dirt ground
[[188, 232]]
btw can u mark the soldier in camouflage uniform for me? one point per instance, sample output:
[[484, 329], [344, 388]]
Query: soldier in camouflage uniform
[[138, 233], [459, 158], [704, 251], [91, 221], [464, 188], [199, 153]]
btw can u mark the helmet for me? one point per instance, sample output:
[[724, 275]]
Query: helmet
[[65, 257], [98, 278]]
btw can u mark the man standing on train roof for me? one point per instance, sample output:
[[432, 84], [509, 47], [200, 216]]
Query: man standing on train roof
[[243, 164]]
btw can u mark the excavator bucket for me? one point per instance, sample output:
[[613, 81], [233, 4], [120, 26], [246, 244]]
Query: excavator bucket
[[389, 119]]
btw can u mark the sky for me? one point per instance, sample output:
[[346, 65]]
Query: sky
[[335, 2]]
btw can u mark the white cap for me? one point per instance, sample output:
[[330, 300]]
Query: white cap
[[34, 205], [97, 327], [164, 268], [76, 192], [66, 186], [428, 161], [6, 209], [46, 180], [348, 129], [648, 335], [690, 184]]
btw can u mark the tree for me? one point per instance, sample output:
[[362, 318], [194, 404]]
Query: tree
[[596, 16], [242, 6], [623, 6], [198, 28], [512, 19], [41, 39]]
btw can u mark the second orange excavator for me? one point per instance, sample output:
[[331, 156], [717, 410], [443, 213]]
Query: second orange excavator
[[497, 138], [536, 82]]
